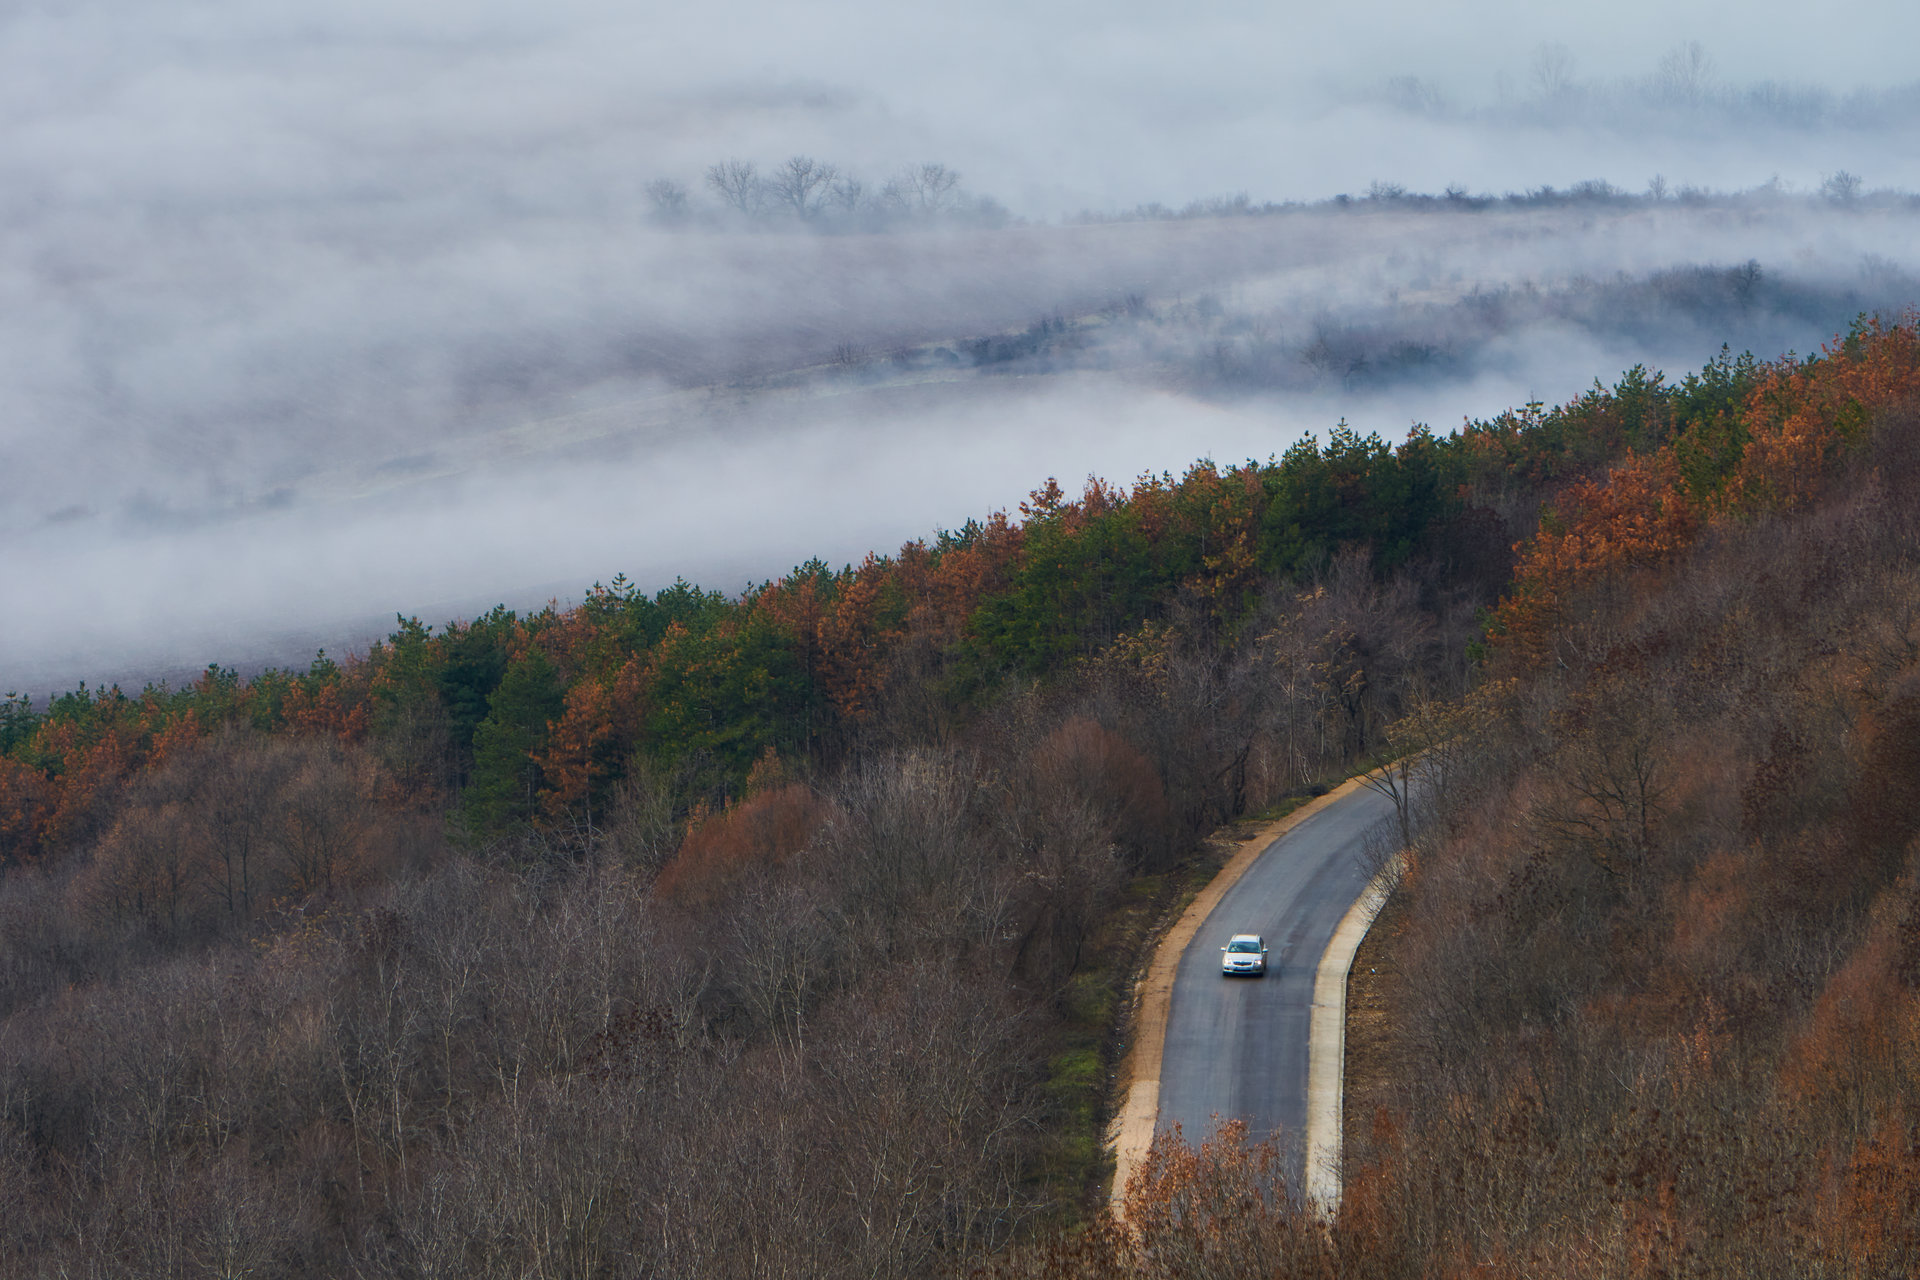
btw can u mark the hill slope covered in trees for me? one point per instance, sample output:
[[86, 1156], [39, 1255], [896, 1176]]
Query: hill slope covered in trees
[[1654, 1006], [779, 934]]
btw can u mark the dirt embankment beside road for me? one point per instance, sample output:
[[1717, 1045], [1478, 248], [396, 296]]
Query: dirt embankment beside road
[[1372, 1073]]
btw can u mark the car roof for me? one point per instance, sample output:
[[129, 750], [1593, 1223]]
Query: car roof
[[1244, 937]]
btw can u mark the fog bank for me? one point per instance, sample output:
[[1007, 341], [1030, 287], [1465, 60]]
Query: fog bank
[[313, 315]]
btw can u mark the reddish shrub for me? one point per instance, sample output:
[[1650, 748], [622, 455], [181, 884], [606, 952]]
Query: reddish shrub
[[1084, 759], [764, 830], [24, 801]]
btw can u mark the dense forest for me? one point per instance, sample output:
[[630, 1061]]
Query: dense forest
[[787, 933]]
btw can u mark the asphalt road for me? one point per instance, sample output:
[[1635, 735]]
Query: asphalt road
[[1236, 1048]]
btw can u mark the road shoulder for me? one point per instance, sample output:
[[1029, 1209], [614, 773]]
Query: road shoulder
[[1327, 1044], [1373, 1066], [1131, 1131]]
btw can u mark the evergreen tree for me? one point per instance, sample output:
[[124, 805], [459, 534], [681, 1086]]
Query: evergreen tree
[[504, 790]]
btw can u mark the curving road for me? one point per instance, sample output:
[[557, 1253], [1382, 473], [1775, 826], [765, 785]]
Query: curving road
[[1236, 1048]]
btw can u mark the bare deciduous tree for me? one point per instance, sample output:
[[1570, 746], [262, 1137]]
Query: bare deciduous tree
[[802, 184], [667, 200], [848, 196], [738, 184], [1551, 72], [1614, 774], [1841, 187], [326, 816], [930, 187], [1685, 75]]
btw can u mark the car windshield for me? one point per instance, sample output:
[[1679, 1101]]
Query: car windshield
[[1243, 944]]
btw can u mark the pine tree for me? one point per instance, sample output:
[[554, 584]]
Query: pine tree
[[504, 790]]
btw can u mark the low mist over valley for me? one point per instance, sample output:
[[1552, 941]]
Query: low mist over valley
[[312, 320], [712, 401]]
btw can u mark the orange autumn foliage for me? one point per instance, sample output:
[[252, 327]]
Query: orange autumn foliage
[[325, 712], [587, 744], [850, 638], [1802, 415], [174, 738], [761, 832], [1864, 1024], [1801, 419], [90, 769], [1877, 1219], [945, 590], [26, 800], [1638, 516]]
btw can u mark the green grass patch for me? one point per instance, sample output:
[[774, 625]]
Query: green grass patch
[[1089, 1002]]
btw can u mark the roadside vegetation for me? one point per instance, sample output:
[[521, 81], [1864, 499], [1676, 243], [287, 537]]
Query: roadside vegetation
[[1654, 1005], [1658, 958], [785, 933]]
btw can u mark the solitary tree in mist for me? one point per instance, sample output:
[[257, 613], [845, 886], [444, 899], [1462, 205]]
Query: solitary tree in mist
[[1552, 72], [803, 184], [1685, 74], [929, 188], [1841, 187], [737, 182], [668, 198]]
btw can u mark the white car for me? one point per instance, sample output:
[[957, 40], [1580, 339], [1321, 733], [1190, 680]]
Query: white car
[[1244, 953]]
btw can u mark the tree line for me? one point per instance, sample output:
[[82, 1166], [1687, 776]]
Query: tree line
[[821, 196], [535, 723], [1840, 190]]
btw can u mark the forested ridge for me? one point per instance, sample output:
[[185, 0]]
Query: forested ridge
[[782, 933], [1653, 1008]]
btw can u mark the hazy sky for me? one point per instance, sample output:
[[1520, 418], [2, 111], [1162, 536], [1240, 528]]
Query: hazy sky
[[1053, 107], [259, 255]]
